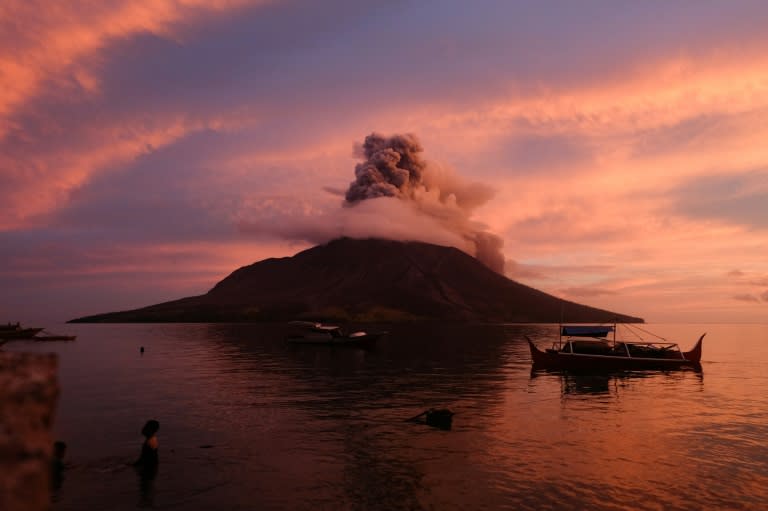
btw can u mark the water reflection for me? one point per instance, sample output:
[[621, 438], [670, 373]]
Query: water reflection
[[611, 382], [358, 400], [460, 358], [146, 480], [588, 383], [314, 427]]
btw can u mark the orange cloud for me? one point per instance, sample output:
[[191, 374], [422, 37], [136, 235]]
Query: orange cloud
[[47, 41], [57, 46], [640, 133], [43, 182], [203, 262], [648, 119], [637, 97]]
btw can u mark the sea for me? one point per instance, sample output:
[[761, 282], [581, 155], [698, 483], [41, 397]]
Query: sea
[[250, 422]]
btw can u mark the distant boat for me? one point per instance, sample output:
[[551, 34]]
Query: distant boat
[[16, 331], [586, 347], [317, 333], [53, 337]]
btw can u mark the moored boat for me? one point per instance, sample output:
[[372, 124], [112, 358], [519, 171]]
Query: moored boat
[[16, 331], [317, 333], [587, 347], [54, 337]]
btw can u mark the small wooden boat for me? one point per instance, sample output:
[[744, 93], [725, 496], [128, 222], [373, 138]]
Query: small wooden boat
[[584, 347], [16, 331], [317, 333], [54, 337]]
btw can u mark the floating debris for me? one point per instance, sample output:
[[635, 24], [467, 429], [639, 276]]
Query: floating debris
[[441, 418]]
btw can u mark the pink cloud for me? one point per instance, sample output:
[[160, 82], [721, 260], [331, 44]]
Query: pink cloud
[[55, 40], [586, 292], [746, 298], [149, 114]]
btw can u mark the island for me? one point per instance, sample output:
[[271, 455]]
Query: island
[[368, 280]]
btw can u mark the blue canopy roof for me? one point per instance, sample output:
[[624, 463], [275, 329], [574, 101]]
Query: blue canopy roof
[[587, 330]]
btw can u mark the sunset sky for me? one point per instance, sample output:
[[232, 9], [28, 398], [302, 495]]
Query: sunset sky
[[618, 148]]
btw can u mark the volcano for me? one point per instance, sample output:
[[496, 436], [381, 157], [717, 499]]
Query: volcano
[[368, 280]]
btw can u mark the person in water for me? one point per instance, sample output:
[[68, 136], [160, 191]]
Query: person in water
[[57, 467], [148, 457], [146, 465]]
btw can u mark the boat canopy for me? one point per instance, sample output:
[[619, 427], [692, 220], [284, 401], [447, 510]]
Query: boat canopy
[[586, 330], [311, 325], [306, 324]]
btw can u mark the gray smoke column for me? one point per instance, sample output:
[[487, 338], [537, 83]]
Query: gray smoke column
[[393, 167]]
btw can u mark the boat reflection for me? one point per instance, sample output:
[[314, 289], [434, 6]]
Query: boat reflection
[[609, 383]]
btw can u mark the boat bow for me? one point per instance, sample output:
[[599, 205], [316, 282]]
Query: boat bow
[[695, 354], [537, 355]]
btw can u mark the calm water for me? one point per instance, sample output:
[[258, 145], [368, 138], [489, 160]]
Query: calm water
[[248, 422]]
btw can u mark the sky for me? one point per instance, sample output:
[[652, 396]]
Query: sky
[[616, 150]]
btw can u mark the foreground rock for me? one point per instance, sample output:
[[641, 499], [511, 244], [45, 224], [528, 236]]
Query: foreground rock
[[28, 394], [369, 280]]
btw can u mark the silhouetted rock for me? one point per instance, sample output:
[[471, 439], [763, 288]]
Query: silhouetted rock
[[368, 280], [28, 395]]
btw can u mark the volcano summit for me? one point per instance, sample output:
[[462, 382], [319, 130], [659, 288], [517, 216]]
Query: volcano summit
[[368, 280]]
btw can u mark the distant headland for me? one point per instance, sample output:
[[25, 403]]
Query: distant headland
[[368, 280]]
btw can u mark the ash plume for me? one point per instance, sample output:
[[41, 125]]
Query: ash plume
[[393, 167]]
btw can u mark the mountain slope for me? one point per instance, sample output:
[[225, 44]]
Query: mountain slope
[[370, 280]]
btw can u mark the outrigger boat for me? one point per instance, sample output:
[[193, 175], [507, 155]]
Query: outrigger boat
[[48, 336], [587, 347], [16, 331], [318, 333]]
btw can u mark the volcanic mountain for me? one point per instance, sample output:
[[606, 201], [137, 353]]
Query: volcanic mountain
[[368, 280]]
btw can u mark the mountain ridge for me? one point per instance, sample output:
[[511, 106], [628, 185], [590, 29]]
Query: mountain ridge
[[368, 280]]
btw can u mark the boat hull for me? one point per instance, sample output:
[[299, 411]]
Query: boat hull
[[54, 338], [552, 359], [367, 339], [19, 333]]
